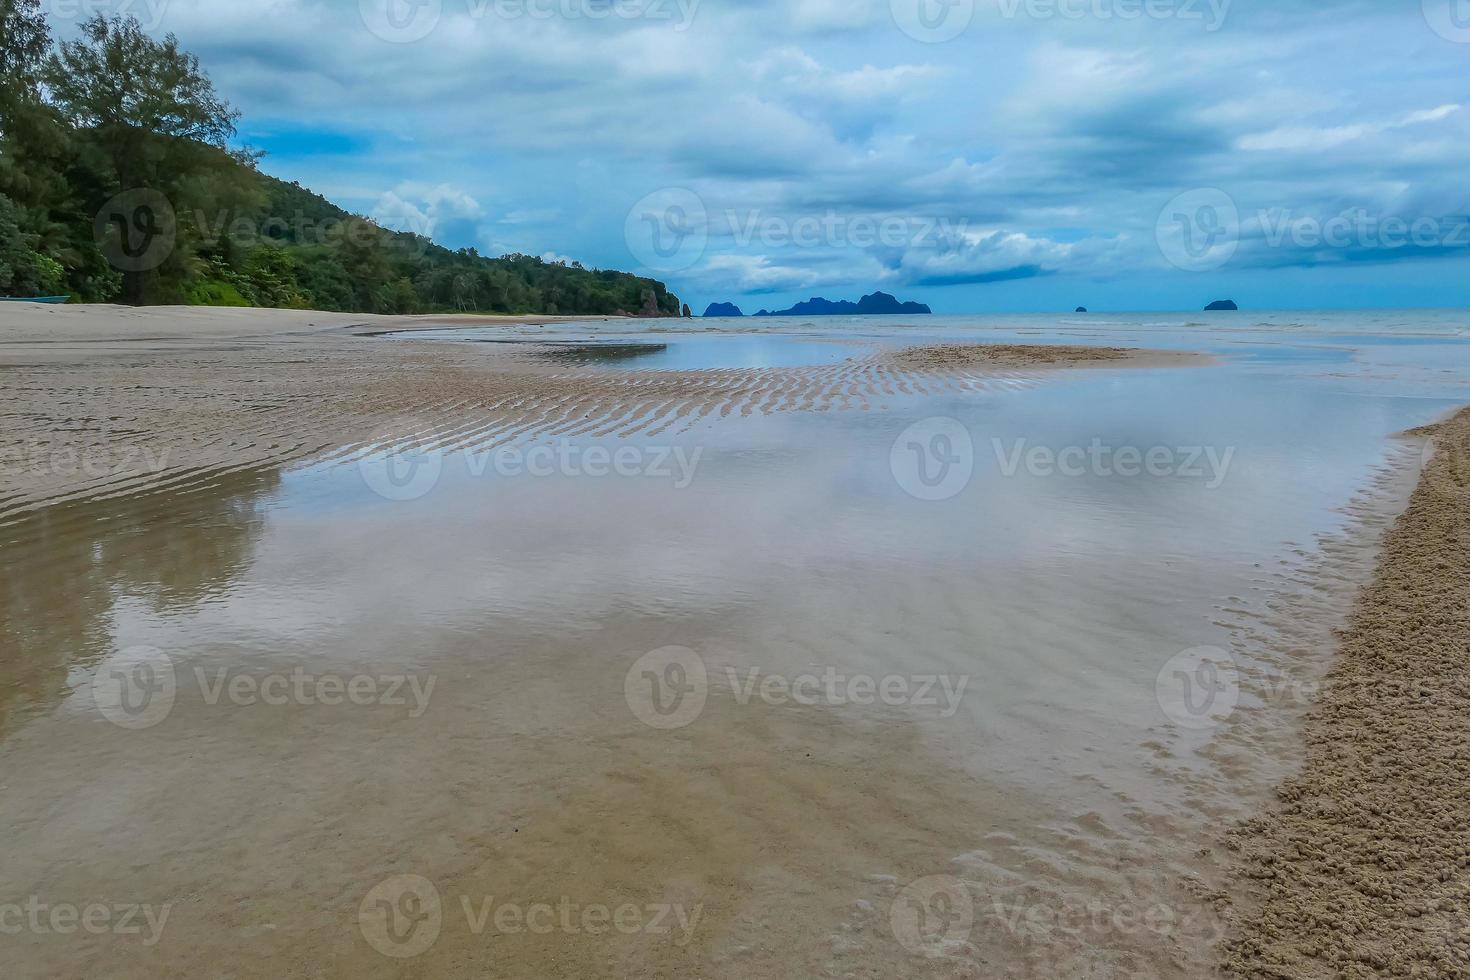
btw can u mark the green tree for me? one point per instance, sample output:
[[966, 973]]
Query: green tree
[[33, 143], [117, 143], [396, 297], [325, 284], [24, 271], [24, 42], [149, 123], [272, 274]]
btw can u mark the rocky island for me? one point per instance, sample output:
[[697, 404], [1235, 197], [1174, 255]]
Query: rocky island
[[875, 304]]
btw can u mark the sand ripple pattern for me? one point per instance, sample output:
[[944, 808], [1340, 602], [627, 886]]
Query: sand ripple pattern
[[124, 424]]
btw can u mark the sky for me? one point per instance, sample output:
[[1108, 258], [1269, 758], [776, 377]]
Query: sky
[[976, 155]]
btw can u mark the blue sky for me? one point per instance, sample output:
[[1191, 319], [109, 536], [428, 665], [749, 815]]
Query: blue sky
[[978, 155]]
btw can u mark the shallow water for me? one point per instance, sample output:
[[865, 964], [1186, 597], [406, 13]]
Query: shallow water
[[671, 352], [843, 692]]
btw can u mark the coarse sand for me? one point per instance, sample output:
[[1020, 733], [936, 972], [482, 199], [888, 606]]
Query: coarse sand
[[1361, 866]]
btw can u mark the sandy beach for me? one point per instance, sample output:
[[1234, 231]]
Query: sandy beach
[[1041, 355], [981, 491], [106, 401], [202, 501], [1361, 867]]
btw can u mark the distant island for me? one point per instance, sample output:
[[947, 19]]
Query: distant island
[[1221, 304], [875, 304], [722, 309], [1080, 309]]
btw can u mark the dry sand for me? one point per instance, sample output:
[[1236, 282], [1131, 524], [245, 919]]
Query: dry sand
[[29, 329], [107, 401], [1361, 868]]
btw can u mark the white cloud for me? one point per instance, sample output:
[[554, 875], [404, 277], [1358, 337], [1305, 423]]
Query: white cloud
[[423, 210], [394, 212], [1431, 115], [1299, 138], [1060, 140], [791, 71], [976, 256], [758, 274], [830, 15]]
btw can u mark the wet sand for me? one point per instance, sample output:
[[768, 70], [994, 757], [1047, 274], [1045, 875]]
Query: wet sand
[[805, 841], [28, 331], [793, 834], [107, 401], [1042, 355], [1361, 868]]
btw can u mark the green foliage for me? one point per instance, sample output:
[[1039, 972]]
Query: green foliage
[[397, 297], [124, 85], [24, 271], [214, 292], [142, 115], [117, 179], [24, 41], [286, 246], [324, 281], [272, 274]]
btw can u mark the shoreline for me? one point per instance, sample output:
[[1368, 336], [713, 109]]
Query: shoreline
[[96, 412], [1342, 875]]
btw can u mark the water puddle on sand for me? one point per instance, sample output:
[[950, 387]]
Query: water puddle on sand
[[777, 695], [661, 351]]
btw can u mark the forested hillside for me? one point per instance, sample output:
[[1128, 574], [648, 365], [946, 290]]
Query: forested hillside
[[118, 183]]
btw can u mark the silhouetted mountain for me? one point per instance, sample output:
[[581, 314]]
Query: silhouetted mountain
[[1221, 304], [1080, 309], [876, 304], [723, 309]]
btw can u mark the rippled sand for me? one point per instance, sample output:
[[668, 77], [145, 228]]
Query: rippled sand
[[92, 412], [1057, 823], [1039, 355]]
